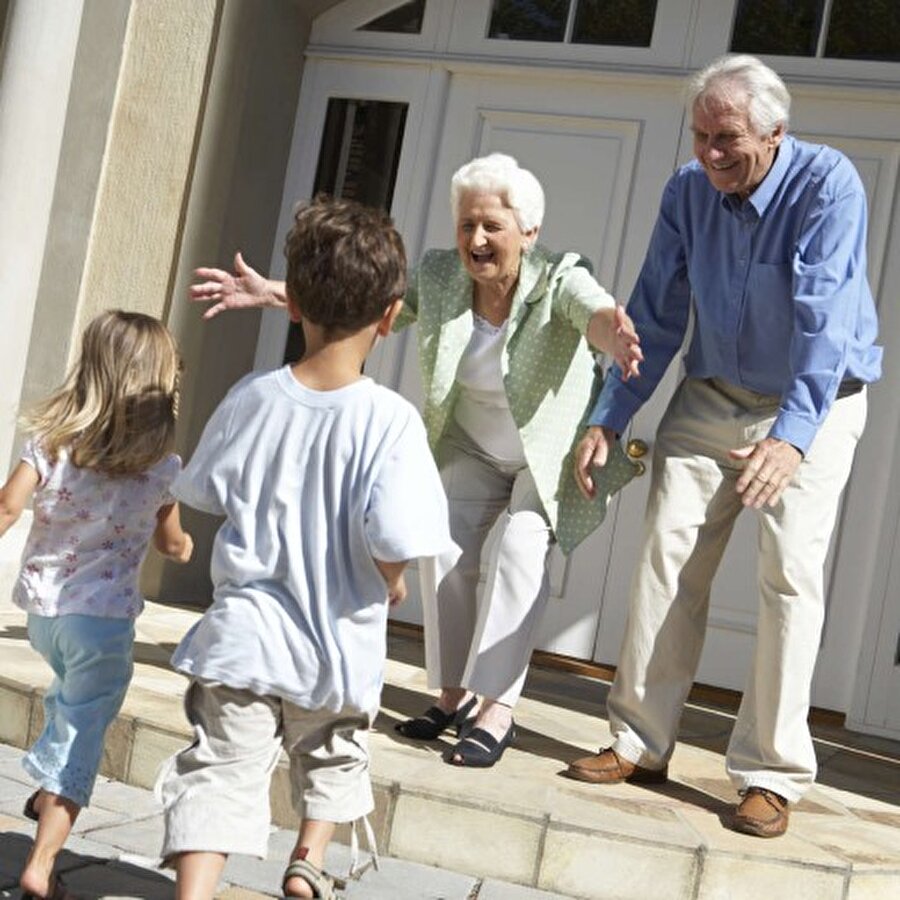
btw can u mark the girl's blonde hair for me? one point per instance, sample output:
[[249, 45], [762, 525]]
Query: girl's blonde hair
[[116, 410]]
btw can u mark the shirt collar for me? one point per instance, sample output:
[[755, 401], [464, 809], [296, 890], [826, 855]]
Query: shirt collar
[[532, 268], [765, 193]]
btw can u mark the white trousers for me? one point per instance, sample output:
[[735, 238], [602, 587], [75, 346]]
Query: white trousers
[[691, 511], [484, 645]]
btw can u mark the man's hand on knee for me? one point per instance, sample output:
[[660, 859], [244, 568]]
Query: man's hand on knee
[[770, 466]]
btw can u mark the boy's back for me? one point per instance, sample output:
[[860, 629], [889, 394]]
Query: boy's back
[[314, 484], [328, 489]]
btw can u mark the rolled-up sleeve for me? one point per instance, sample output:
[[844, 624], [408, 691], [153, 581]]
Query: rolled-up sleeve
[[201, 483], [407, 515], [579, 296]]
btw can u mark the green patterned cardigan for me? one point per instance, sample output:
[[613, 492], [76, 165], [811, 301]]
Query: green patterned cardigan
[[548, 370]]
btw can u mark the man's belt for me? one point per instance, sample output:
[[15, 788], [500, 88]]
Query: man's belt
[[849, 386]]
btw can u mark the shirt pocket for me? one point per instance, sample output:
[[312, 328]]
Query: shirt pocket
[[769, 307]]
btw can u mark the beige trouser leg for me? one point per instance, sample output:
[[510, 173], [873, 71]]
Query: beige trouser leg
[[690, 515], [486, 646]]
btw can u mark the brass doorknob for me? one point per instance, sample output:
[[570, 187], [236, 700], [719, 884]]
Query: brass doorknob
[[636, 448]]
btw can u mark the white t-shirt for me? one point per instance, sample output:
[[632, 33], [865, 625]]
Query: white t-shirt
[[89, 534], [482, 407], [314, 484]]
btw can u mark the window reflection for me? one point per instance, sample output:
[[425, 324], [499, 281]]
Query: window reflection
[[529, 20], [855, 29], [405, 19], [864, 29], [358, 159], [778, 27], [626, 23], [360, 150], [623, 22]]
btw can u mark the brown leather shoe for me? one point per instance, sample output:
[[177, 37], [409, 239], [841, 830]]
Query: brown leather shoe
[[762, 813], [607, 767]]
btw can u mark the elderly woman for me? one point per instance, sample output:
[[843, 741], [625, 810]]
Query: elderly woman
[[508, 383]]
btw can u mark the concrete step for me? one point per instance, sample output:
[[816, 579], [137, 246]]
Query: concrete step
[[113, 853], [521, 822]]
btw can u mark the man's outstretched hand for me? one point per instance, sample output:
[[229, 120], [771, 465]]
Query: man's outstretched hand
[[592, 450]]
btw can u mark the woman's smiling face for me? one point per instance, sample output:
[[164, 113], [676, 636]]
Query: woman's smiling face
[[489, 239], [734, 157]]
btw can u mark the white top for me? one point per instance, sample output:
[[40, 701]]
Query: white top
[[313, 484], [482, 407], [89, 534]]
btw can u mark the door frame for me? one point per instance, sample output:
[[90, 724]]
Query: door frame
[[422, 87], [361, 65]]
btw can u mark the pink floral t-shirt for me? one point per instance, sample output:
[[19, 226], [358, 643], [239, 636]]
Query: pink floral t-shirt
[[88, 537]]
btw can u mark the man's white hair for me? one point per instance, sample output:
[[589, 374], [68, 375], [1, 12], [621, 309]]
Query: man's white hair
[[745, 82], [501, 175]]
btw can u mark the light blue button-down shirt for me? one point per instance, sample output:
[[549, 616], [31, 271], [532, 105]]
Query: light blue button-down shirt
[[781, 300]]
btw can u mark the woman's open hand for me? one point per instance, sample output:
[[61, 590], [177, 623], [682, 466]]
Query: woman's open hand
[[245, 288], [611, 331]]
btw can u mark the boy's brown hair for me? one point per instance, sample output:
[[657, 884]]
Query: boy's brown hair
[[345, 263]]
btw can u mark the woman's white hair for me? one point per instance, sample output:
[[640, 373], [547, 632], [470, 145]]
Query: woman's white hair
[[502, 175], [744, 81]]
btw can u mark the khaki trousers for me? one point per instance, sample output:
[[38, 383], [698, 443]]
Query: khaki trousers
[[215, 792], [691, 511], [484, 643]]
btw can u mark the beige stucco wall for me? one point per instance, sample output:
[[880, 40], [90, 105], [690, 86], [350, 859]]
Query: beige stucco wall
[[172, 126], [132, 102], [91, 93], [147, 166], [234, 201], [39, 49]]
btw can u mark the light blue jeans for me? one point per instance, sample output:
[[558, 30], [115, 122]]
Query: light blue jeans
[[91, 657]]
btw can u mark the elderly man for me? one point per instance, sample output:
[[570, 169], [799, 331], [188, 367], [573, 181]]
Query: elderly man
[[767, 234]]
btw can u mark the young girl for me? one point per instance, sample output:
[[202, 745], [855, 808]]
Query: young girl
[[99, 463]]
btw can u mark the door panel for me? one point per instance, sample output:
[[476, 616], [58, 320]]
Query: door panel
[[603, 144]]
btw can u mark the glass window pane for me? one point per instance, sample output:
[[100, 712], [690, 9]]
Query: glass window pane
[[360, 150], [623, 22], [864, 29], [529, 20], [358, 159], [405, 19], [779, 27]]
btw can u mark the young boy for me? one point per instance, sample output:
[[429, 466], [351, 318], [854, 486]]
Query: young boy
[[328, 488]]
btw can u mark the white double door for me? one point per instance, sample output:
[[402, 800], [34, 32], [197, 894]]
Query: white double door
[[603, 147]]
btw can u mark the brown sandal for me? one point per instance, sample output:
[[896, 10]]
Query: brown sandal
[[323, 885]]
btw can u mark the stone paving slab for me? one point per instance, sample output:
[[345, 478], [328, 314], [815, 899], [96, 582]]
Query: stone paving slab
[[557, 837], [121, 860]]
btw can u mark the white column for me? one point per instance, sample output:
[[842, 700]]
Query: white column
[[37, 63]]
